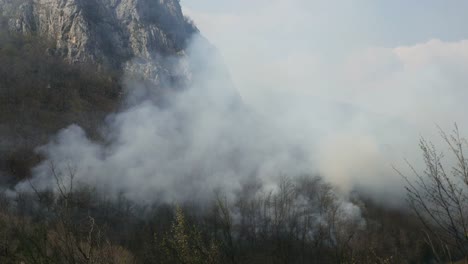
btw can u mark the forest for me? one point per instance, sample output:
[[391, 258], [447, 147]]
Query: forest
[[300, 219], [304, 220]]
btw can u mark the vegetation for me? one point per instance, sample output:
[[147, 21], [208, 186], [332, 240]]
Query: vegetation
[[438, 196], [302, 221], [41, 93]]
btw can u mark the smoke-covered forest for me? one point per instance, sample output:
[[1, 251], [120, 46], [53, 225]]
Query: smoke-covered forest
[[127, 137]]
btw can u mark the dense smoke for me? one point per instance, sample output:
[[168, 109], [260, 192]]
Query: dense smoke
[[198, 140], [348, 115], [356, 83]]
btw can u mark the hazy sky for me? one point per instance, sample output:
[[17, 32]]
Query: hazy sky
[[341, 51], [380, 22], [321, 34], [344, 90], [360, 81], [332, 28]]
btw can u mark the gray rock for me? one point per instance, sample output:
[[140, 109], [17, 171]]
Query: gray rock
[[129, 35]]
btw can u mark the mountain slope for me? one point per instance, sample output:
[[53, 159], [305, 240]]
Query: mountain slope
[[62, 62], [108, 32]]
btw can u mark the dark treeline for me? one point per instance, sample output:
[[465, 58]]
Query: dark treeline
[[302, 221]]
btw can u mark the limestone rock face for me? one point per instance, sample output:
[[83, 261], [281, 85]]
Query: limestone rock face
[[121, 34]]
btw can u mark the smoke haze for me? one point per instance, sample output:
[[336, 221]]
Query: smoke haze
[[357, 83], [199, 140], [309, 105]]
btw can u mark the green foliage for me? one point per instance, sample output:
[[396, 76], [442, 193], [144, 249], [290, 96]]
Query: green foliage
[[184, 244]]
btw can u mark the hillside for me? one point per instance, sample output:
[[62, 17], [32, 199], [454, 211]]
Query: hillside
[[63, 62], [123, 139], [107, 32]]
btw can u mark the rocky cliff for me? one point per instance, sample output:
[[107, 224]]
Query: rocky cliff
[[62, 62], [105, 32]]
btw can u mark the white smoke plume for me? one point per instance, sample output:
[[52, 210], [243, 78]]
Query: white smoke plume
[[201, 139], [356, 83], [348, 115]]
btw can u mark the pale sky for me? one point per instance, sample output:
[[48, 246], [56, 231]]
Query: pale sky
[[313, 47], [344, 89], [396, 22], [381, 73]]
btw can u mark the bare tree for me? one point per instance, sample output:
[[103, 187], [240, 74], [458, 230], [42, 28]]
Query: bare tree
[[438, 196]]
